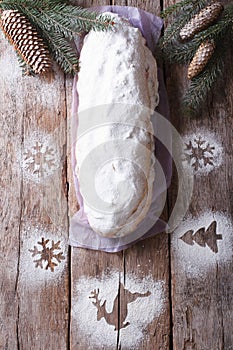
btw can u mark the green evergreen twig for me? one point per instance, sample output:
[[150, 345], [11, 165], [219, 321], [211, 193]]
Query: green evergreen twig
[[174, 50], [59, 23]]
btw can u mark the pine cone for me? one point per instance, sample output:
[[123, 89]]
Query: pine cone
[[201, 21], [26, 41], [201, 58]]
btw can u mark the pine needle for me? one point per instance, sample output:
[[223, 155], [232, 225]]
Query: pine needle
[[202, 84], [62, 52], [175, 50], [59, 23]]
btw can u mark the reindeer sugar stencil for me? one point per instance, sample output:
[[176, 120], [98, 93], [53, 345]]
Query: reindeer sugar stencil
[[112, 317], [107, 311]]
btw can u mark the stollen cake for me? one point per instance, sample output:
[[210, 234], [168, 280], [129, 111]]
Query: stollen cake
[[114, 147]]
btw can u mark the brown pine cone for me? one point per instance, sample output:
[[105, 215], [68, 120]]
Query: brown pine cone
[[201, 21], [26, 41], [201, 58]]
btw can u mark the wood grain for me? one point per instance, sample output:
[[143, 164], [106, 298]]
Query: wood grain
[[43, 307], [33, 309], [149, 258], [86, 262], [10, 194], [38, 307], [147, 5], [201, 292]]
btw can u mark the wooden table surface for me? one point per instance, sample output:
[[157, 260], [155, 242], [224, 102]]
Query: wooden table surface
[[173, 291]]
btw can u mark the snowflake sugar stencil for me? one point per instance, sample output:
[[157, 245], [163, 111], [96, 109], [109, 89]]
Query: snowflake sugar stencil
[[48, 255], [202, 152], [40, 157], [43, 255]]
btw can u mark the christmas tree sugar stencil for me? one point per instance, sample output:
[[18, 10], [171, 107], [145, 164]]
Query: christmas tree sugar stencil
[[204, 237]]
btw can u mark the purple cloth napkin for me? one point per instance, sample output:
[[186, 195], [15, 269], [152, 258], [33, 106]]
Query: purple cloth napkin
[[81, 234]]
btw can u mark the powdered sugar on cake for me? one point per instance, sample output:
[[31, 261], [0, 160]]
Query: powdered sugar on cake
[[118, 90]]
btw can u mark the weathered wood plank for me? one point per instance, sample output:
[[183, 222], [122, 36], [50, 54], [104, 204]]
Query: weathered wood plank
[[147, 5], [201, 247], [134, 284], [10, 190], [44, 215], [35, 299], [151, 258], [90, 270]]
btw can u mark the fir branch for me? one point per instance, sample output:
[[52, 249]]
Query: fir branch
[[183, 7], [77, 19], [201, 85], [62, 17], [176, 51], [70, 21], [184, 11], [58, 23], [173, 10], [62, 52], [31, 3], [218, 30], [172, 31], [6, 5], [26, 69], [60, 48]]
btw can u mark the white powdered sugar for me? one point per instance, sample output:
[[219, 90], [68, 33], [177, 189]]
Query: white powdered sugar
[[200, 243], [115, 147], [122, 69], [40, 157], [8, 62], [203, 152], [94, 309], [43, 256]]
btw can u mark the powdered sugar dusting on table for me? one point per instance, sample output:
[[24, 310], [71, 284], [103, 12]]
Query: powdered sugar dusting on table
[[147, 306], [196, 260], [40, 157], [56, 247], [203, 151]]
